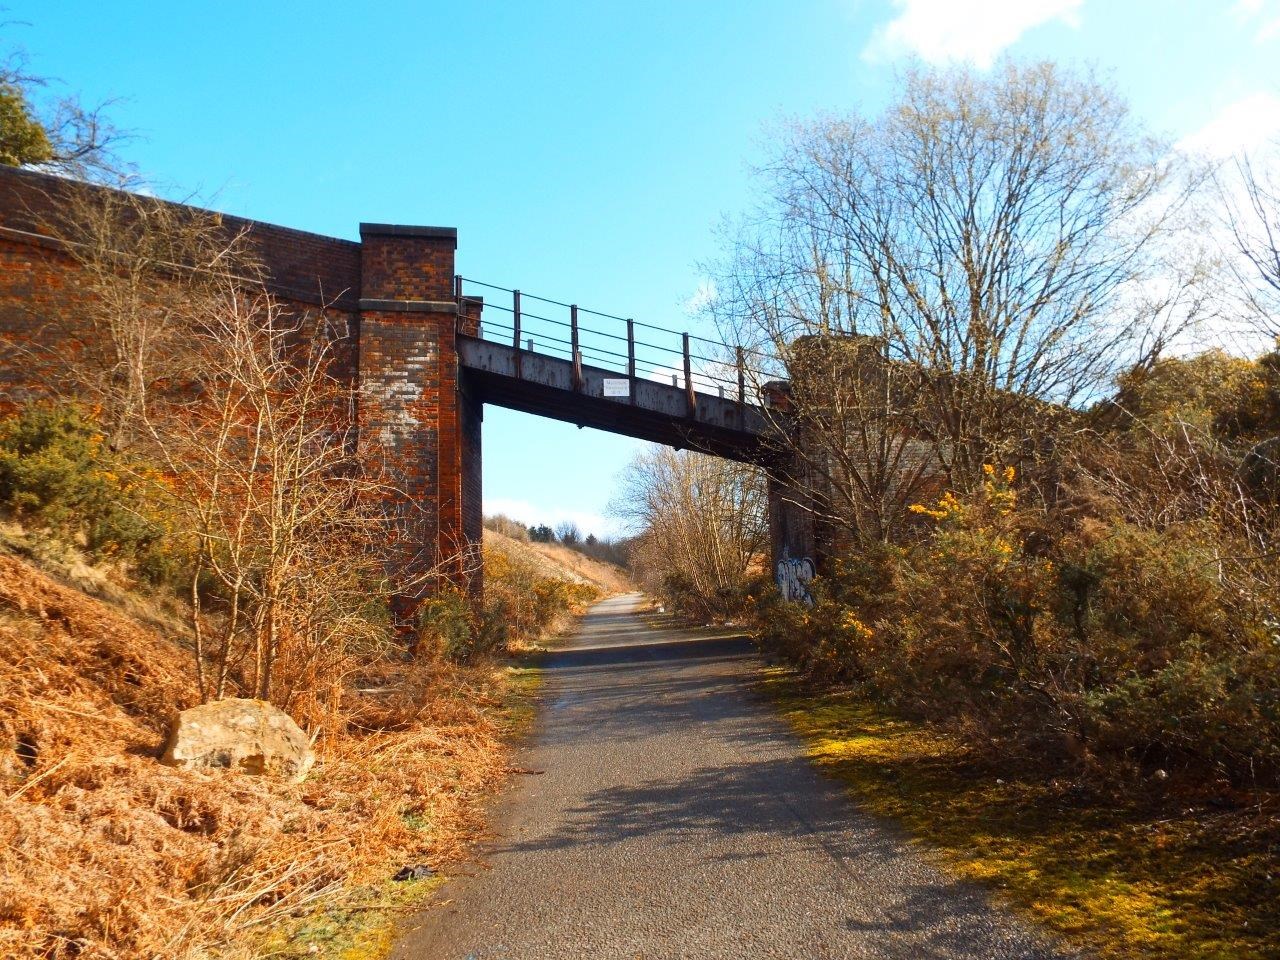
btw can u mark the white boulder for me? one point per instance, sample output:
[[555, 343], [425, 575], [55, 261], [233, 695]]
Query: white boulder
[[251, 736]]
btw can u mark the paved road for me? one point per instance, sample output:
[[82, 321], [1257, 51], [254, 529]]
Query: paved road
[[676, 817]]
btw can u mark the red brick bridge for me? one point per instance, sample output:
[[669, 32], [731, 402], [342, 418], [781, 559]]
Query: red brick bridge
[[426, 350]]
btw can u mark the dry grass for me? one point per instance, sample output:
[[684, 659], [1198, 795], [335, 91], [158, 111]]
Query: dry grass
[[104, 853], [67, 564], [1155, 874], [557, 560]]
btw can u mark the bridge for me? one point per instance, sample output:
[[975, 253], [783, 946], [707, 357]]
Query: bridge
[[425, 349], [636, 379]]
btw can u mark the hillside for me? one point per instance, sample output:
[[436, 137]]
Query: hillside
[[105, 853], [556, 560]]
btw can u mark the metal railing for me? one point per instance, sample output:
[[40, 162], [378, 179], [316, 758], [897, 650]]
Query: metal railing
[[700, 365]]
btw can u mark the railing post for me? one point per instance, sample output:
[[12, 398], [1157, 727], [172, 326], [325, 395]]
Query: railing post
[[631, 358], [515, 326], [742, 378], [691, 402], [573, 343], [457, 299]]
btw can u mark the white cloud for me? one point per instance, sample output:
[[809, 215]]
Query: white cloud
[[702, 297], [1261, 14], [534, 515], [1240, 127], [939, 31]]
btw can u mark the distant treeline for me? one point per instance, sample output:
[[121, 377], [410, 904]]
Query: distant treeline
[[615, 551]]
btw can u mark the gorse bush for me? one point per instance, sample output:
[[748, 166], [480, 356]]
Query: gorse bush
[[57, 472], [1112, 643], [447, 626], [1213, 393], [521, 603]]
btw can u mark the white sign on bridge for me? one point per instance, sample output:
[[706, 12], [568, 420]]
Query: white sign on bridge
[[617, 388]]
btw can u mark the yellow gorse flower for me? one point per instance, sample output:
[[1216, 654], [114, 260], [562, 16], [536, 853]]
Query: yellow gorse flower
[[856, 627], [996, 491], [948, 508]]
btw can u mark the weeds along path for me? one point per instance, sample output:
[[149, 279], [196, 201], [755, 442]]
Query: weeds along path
[[668, 813]]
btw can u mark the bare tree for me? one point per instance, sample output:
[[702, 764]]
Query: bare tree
[[984, 247], [1250, 192], [700, 524], [262, 461], [65, 137], [286, 516], [567, 532], [151, 270]]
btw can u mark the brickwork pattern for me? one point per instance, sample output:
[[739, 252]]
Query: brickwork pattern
[[402, 362], [400, 266], [38, 290]]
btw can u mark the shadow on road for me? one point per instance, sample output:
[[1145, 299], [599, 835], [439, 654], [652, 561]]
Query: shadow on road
[[649, 652], [749, 811], [674, 815]]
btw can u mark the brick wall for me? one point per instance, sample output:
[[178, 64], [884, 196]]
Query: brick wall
[[306, 267], [407, 264], [410, 388], [38, 290], [41, 292], [472, 469], [389, 299]]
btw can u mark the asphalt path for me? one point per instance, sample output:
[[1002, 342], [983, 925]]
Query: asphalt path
[[667, 813]]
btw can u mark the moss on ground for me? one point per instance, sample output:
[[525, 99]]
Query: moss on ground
[[523, 684], [361, 927], [1139, 877]]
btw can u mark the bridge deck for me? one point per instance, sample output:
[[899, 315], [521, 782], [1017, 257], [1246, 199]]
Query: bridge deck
[[556, 387]]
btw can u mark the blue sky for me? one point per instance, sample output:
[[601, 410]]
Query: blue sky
[[584, 151]]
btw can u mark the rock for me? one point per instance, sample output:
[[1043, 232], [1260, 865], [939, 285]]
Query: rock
[[251, 736], [419, 871]]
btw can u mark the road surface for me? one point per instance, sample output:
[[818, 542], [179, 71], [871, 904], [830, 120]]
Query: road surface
[[673, 815]]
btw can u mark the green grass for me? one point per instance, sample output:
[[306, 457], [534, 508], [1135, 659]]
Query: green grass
[[1143, 876], [520, 705]]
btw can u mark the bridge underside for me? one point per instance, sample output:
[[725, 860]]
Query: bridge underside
[[555, 387], [661, 413]]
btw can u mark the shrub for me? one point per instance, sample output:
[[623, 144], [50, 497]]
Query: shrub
[[57, 471], [522, 602], [1119, 644], [447, 625], [501, 523]]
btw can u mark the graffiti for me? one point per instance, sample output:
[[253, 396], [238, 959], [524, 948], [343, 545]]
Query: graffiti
[[793, 578]]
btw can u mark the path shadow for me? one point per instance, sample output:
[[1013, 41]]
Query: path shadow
[[774, 808], [649, 652]]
